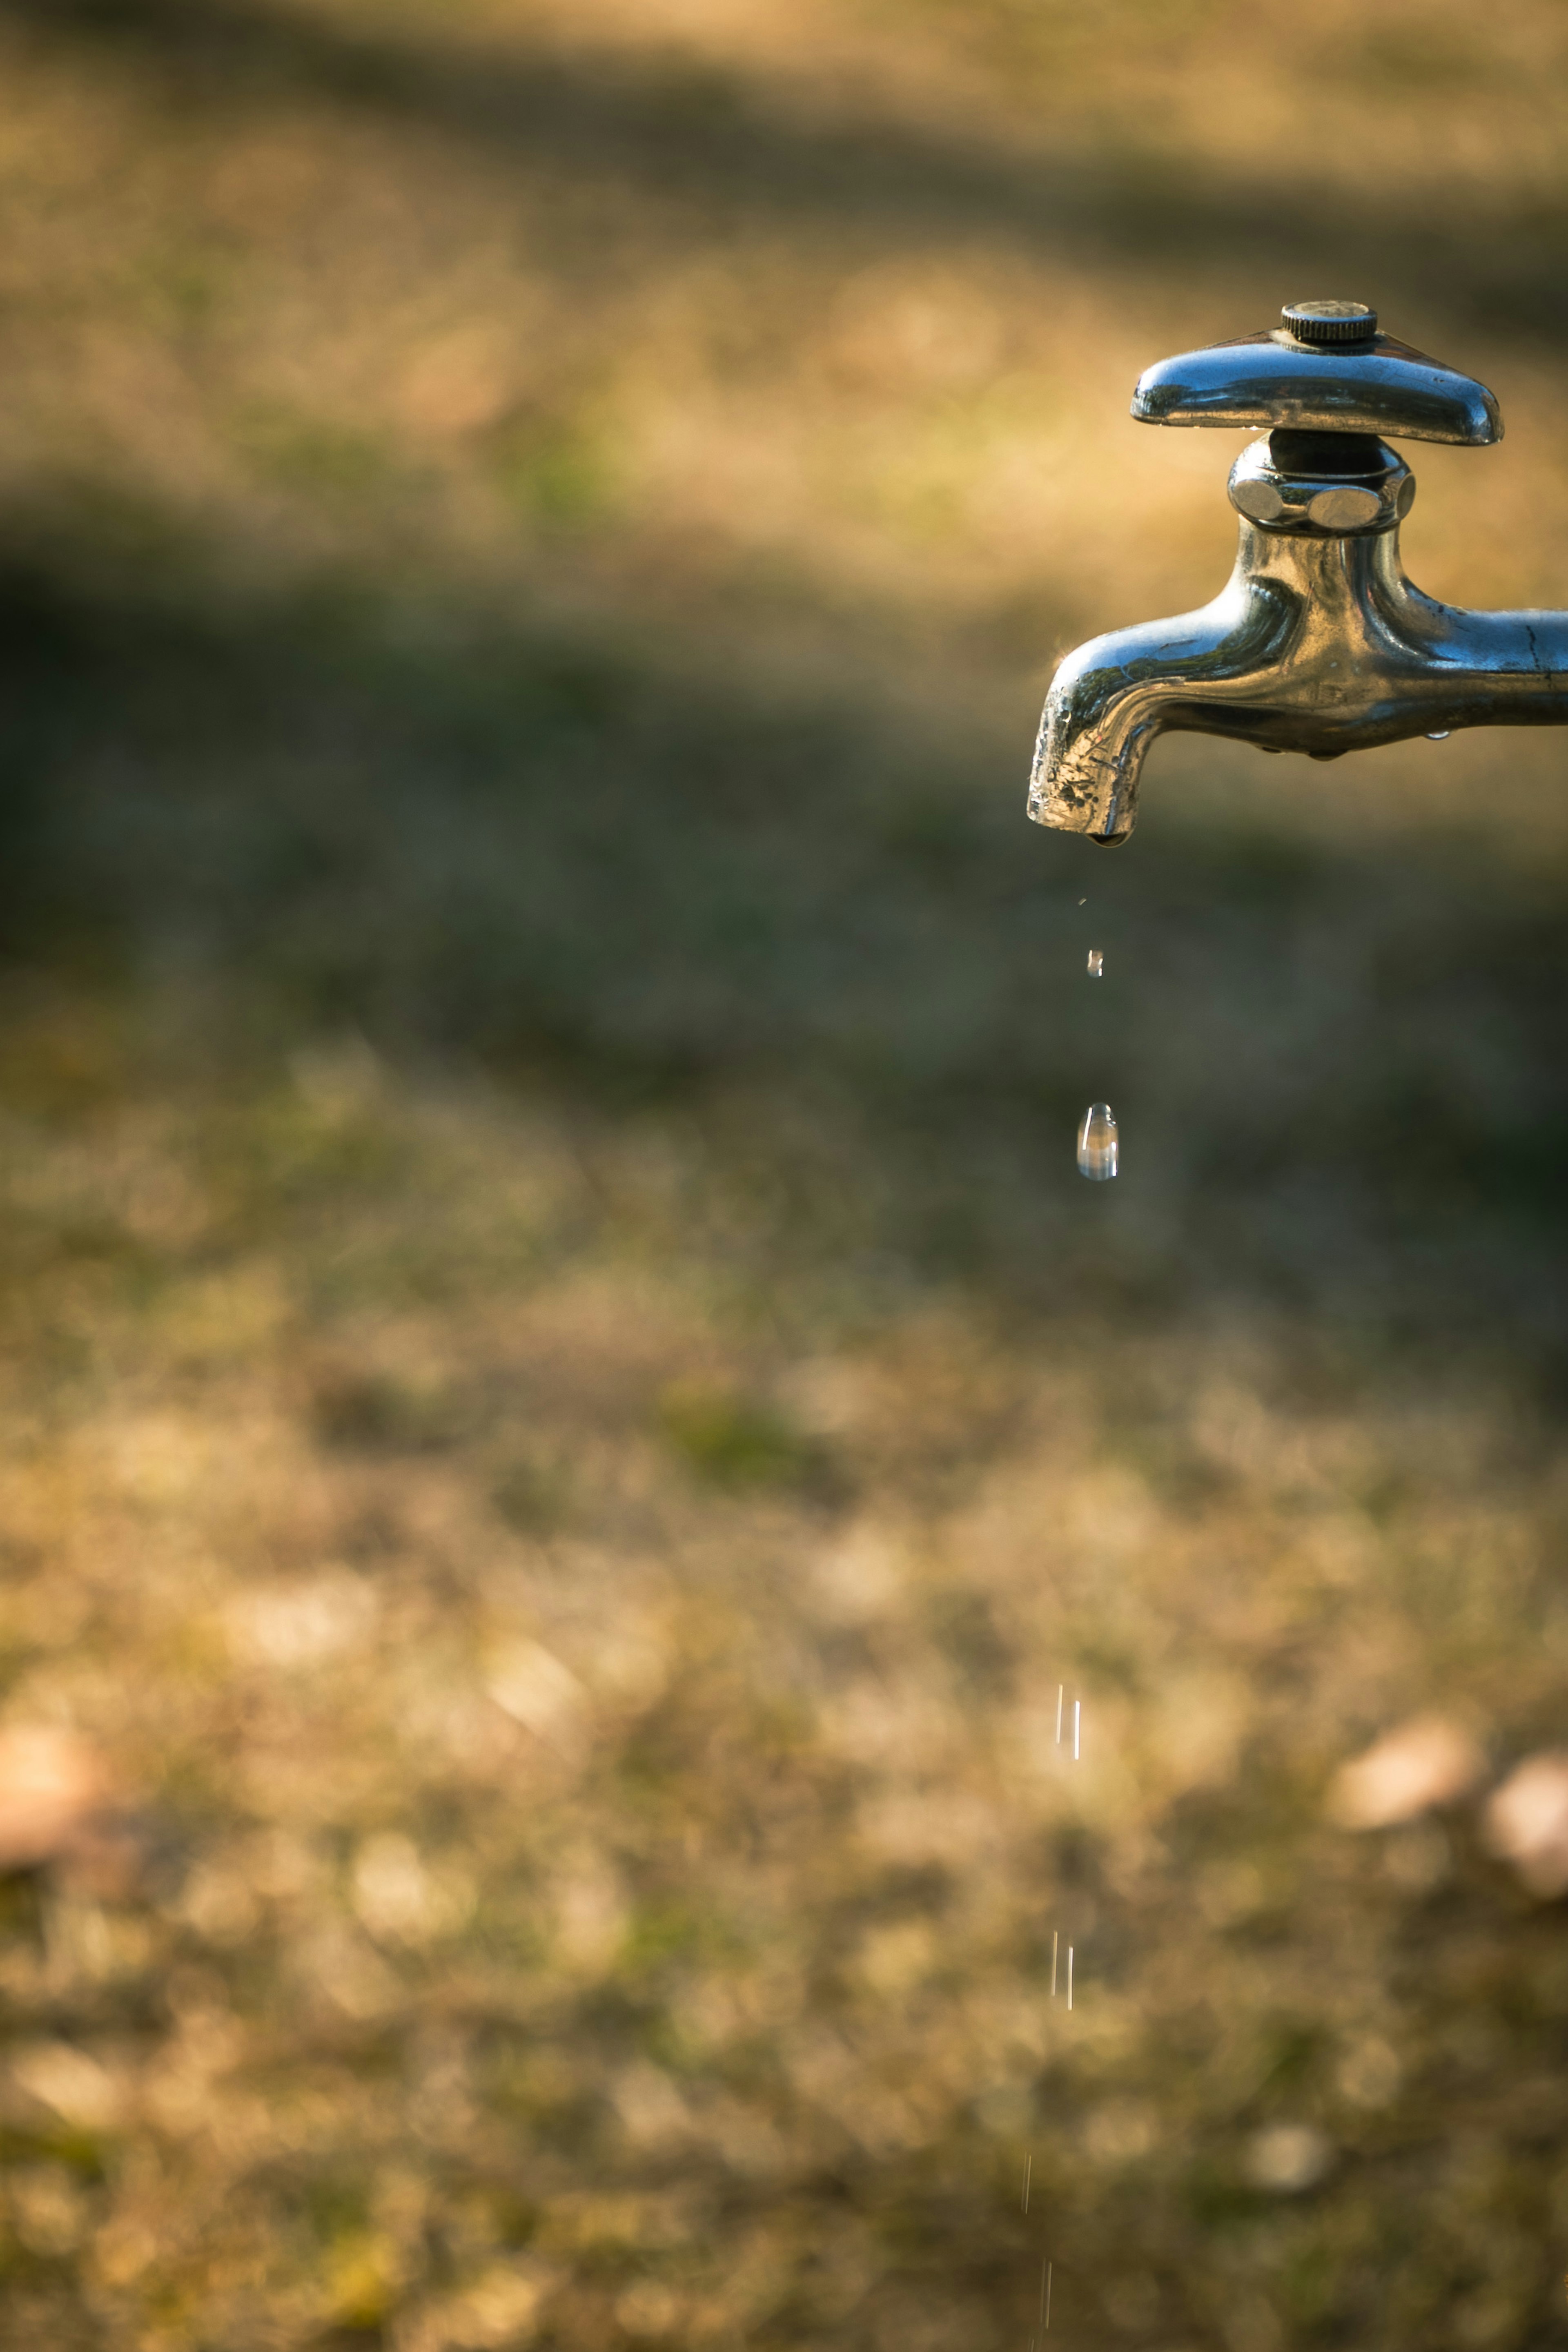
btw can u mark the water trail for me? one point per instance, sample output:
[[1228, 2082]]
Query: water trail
[[1069, 1976], [1045, 2298], [1061, 1694], [1098, 1149], [1097, 963], [1077, 1726], [1028, 2168], [1055, 1940]]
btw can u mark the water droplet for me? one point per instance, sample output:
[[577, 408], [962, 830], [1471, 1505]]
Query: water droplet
[[1097, 1148], [1437, 734], [1083, 902], [1097, 963]]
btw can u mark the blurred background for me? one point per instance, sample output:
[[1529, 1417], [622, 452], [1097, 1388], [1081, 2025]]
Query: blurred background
[[567, 1415]]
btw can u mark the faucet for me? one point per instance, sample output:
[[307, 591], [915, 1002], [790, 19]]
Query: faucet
[[1318, 643]]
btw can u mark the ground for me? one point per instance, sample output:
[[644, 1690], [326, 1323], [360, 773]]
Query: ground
[[568, 1419]]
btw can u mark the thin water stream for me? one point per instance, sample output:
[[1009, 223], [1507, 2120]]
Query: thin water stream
[[1099, 1157], [1099, 1147], [1068, 1734]]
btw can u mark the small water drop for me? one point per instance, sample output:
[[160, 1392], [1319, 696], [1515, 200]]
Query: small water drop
[[1083, 902], [1437, 734], [1097, 1146], [1097, 963]]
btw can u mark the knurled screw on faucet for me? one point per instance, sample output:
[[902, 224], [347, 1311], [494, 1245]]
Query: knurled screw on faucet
[[1330, 322]]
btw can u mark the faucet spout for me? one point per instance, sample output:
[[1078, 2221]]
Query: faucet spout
[[1319, 644], [1110, 698]]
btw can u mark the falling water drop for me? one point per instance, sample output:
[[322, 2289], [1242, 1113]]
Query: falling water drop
[[1097, 963], [1437, 734], [1097, 1148]]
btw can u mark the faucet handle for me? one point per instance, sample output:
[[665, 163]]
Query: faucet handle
[[1326, 370]]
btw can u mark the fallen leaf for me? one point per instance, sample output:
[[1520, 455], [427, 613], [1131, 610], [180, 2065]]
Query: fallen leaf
[[1426, 1762], [537, 1691], [75, 2085], [52, 1786], [1286, 2159], [1527, 1823]]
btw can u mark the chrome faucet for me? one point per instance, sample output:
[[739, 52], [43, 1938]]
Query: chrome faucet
[[1319, 642]]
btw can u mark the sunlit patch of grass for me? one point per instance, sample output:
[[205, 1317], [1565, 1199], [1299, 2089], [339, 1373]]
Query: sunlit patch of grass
[[361, 2276], [319, 456], [536, 1492], [185, 287], [732, 1440], [376, 1412], [561, 472], [1428, 57]]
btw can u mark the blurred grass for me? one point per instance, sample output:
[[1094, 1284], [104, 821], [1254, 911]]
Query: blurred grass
[[566, 1411]]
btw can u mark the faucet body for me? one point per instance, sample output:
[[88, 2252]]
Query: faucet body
[[1319, 642]]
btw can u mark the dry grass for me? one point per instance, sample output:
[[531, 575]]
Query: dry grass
[[567, 1415]]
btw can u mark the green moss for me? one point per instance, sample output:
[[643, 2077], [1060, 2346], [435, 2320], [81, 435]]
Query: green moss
[[558, 471], [731, 1440]]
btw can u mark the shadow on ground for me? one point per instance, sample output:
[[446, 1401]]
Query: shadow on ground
[[1335, 1059], [704, 138]]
